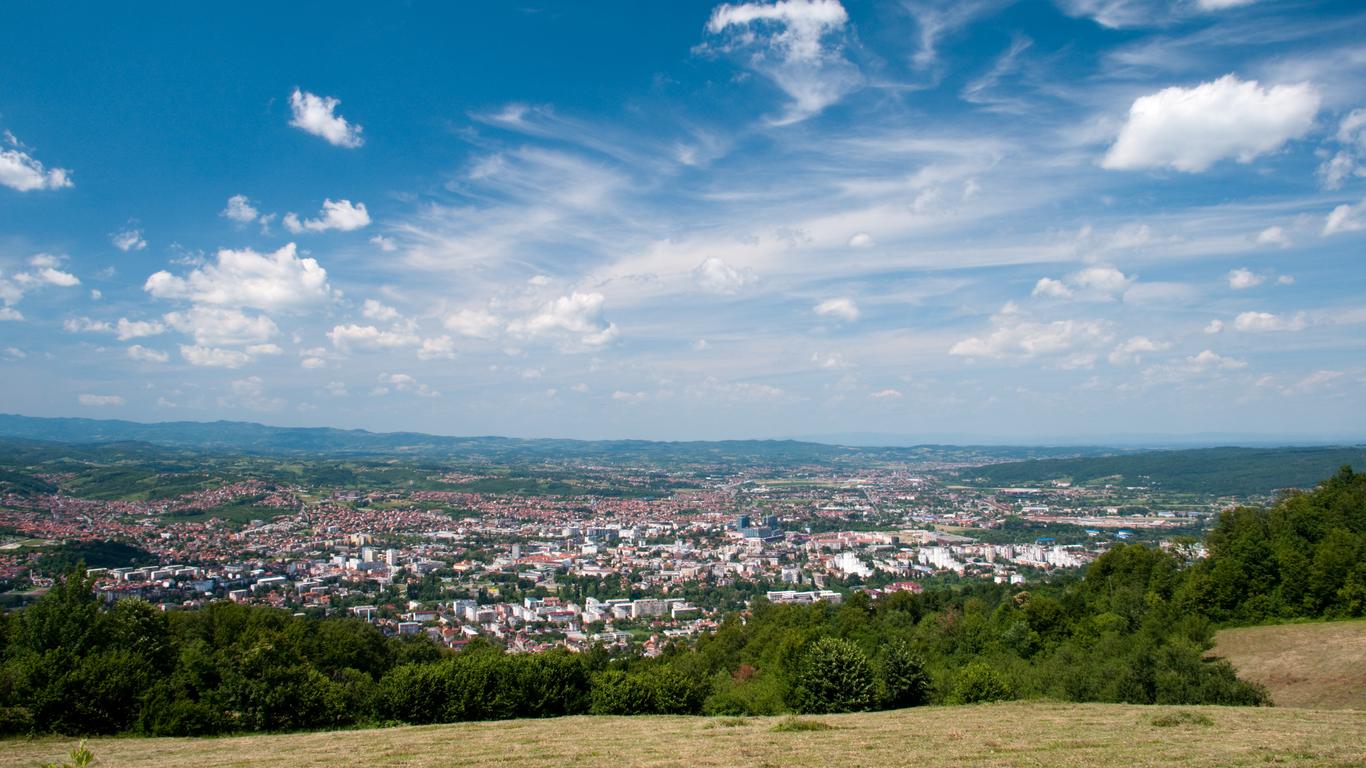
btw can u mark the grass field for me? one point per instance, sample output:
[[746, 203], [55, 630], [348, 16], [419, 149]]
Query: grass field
[[1013, 734], [1320, 665]]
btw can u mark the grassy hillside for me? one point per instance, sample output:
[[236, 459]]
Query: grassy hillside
[[1016, 734], [1321, 665]]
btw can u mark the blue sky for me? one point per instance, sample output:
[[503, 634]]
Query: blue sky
[[958, 220]]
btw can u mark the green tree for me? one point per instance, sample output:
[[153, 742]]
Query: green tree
[[835, 676]]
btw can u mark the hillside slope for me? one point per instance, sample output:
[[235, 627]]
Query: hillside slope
[[1319, 665], [1014, 734]]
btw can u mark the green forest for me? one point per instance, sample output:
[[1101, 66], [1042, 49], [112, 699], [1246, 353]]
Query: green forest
[[1135, 628]]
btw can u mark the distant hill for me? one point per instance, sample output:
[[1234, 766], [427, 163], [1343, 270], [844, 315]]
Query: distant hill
[[247, 437], [1200, 470]]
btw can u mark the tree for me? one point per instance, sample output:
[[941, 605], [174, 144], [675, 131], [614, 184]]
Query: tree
[[904, 682], [979, 682], [835, 676]]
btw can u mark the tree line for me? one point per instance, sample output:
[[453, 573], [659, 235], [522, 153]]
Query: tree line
[[1135, 628]]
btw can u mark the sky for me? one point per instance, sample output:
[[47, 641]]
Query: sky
[[958, 220]]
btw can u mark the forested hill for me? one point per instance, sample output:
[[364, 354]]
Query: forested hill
[[1235, 471], [246, 437]]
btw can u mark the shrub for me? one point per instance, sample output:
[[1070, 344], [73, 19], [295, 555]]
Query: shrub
[[835, 676], [904, 681], [1181, 717], [979, 682], [793, 724]]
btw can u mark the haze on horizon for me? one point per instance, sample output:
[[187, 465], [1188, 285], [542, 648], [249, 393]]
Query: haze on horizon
[[690, 220]]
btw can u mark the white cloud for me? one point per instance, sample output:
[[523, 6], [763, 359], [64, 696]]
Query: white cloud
[[1131, 351], [629, 397], [215, 326], [1262, 322], [1219, 5], [1050, 288], [402, 382], [86, 325], [1241, 279], [137, 329], [340, 215], [1015, 335], [438, 348], [861, 240], [1190, 129], [255, 350], [1209, 360], [240, 210], [11, 314], [715, 276], [473, 323], [245, 278], [374, 310], [1273, 236], [352, 336], [317, 115], [98, 401], [1346, 218], [21, 171], [831, 362], [336, 389], [578, 315], [139, 352], [128, 240], [885, 394], [1214, 326], [386, 244], [213, 357], [1346, 162], [1093, 283], [797, 44], [840, 308]]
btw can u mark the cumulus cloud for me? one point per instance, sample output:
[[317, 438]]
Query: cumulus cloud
[[222, 326], [20, 170], [240, 210], [716, 276], [1190, 129], [437, 348], [1093, 283], [352, 336], [402, 382], [136, 329], [213, 357], [99, 401], [1209, 360], [1015, 335], [139, 352], [1241, 279], [1131, 351], [317, 115], [1274, 236], [861, 240], [11, 314], [1346, 218], [245, 278], [128, 240], [374, 310], [578, 316], [386, 244], [797, 44], [839, 308], [473, 323], [885, 394], [1262, 322], [1346, 162], [340, 215]]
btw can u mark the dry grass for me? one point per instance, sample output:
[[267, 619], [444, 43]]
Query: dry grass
[[1321, 665], [1013, 734]]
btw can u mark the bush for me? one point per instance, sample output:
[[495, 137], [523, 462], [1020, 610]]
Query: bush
[[835, 677], [904, 681], [795, 724], [979, 682]]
